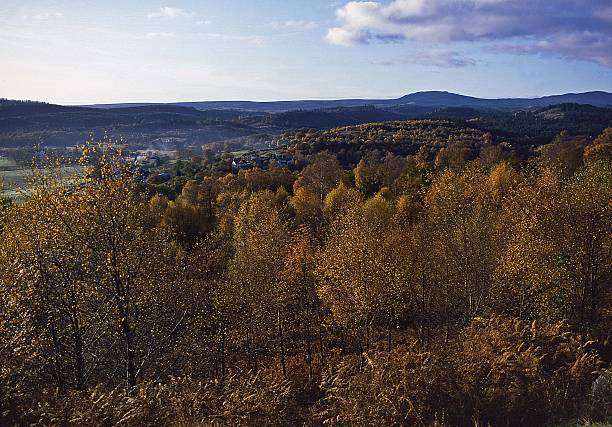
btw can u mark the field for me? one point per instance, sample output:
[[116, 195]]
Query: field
[[14, 178]]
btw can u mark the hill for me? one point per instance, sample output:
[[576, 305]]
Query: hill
[[24, 124], [425, 99], [350, 143], [468, 129]]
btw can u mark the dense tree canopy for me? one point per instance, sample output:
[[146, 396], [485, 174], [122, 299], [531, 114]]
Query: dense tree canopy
[[416, 288]]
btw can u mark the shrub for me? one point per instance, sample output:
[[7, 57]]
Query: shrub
[[242, 399], [498, 371], [401, 387], [525, 374]]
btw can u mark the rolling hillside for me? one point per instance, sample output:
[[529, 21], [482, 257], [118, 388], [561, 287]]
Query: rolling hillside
[[24, 124], [425, 99]]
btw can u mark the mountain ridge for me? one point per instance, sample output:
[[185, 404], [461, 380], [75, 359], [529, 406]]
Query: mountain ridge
[[424, 98]]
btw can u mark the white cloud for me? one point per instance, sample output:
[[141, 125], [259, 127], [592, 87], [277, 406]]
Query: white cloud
[[296, 25], [442, 58], [258, 40], [160, 35], [433, 57], [605, 13], [576, 29], [168, 12], [346, 37], [49, 15], [42, 16]]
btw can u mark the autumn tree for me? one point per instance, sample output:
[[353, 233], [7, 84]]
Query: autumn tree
[[298, 293], [586, 218], [339, 201], [101, 276], [558, 242], [600, 148], [532, 279], [361, 280], [368, 174], [191, 215], [47, 273], [493, 154], [462, 220], [260, 241], [564, 154]]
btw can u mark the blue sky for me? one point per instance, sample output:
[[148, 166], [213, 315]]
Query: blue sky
[[87, 51]]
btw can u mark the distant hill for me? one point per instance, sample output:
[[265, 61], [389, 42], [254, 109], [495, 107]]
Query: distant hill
[[399, 137], [327, 118], [536, 124], [437, 127], [23, 124], [12, 108], [447, 99], [423, 99]]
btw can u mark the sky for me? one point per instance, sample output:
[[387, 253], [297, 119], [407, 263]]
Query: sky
[[90, 51]]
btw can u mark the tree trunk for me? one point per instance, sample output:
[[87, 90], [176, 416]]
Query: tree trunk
[[594, 288], [321, 350], [309, 348], [223, 354], [128, 334], [57, 362], [282, 344], [130, 352], [309, 358], [248, 349], [79, 363]]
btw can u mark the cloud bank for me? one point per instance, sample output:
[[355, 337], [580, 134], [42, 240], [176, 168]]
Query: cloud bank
[[434, 57], [573, 29], [295, 25], [168, 12]]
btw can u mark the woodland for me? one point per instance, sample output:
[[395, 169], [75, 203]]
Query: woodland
[[460, 280]]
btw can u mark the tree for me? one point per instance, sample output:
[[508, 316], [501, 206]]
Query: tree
[[260, 240], [565, 153], [368, 177], [306, 205], [503, 180], [454, 156], [462, 219], [360, 276], [600, 148], [586, 220], [191, 215], [298, 293], [490, 155], [100, 274], [558, 240], [322, 174], [527, 275], [46, 274], [339, 201]]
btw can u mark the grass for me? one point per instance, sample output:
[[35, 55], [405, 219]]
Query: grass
[[7, 164], [261, 152], [584, 423], [14, 181]]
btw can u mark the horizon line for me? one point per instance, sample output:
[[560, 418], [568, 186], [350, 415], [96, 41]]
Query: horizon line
[[322, 99]]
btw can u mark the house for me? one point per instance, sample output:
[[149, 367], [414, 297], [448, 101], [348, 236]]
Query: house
[[239, 164]]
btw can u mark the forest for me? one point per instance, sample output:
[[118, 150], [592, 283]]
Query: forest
[[24, 124], [408, 273]]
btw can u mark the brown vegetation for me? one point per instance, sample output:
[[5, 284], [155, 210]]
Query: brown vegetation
[[408, 291]]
